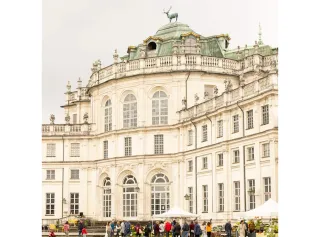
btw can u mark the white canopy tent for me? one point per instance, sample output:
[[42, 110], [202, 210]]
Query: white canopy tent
[[175, 212], [268, 209]]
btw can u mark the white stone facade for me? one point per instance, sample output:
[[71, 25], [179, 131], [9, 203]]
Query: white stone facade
[[178, 80]]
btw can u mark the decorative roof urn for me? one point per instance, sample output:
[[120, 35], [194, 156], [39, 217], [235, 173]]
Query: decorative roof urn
[[52, 118], [85, 118]]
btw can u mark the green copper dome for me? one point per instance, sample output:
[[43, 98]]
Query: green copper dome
[[173, 30]]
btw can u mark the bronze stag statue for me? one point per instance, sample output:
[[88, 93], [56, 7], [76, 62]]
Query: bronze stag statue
[[171, 16]]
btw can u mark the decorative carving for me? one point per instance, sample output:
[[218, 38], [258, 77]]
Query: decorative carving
[[96, 66], [142, 53], [228, 85], [52, 118], [206, 95], [67, 118], [215, 91], [85, 117], [184, 103], [196, 98], [171, 16], [68, 87]]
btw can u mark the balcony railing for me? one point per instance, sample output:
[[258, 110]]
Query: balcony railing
[[179, 63], [66, 129]]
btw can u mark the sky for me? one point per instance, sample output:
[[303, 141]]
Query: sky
[[76, 33]]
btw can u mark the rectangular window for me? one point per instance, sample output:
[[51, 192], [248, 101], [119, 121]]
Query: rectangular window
[[235, 120], [266, 150], [51, 150], [236, 186], [74, 174], [220, 128], [250, 153], [105, 149], [190, 137], [190, 191], [205, 198], [204, 133], [51, 174], [75, 150], [221, 197], [220, 159], [250, 119], [74, 118], [190, 166], [251, 191], [265, 114], [127, 146], [158, 144], [205, 163], [267, 188], [74, 203], [236, 156], [50, 203]]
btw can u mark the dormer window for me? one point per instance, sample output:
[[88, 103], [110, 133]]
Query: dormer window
[[190, 45], [152, 46]]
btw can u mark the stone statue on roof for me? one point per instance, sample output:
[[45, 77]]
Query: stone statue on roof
[[171, 16]]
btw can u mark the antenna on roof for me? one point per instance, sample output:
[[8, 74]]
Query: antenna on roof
[[260, 34]]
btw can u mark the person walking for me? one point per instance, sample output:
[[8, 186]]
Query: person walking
[[191, 227], [242, 229], [167, 228], [185, 229], [122, 229], [161, 229], [127, 229], [113, 227], [197, 229], [177, 230], [66, 228], [208, 229], [84, 232], [147, 231], [108, 230], [80, 227], [156, 229], [228, 228], [138, 230]]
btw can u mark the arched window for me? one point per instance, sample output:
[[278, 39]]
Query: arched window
[[108, 116], [130, 196], [106, 205], [130, 111], [159, 108], [160, 194], [190, 45]]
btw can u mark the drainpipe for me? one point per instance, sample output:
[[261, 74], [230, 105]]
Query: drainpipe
[[187, 90], [62, 177], [244, 162], [195, 170]]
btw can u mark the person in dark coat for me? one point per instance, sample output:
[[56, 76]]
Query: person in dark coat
[[197, 229], [80, 227], [228, 228], [177, 230]]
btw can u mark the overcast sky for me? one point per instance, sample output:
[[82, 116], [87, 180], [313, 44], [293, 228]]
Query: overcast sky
[[78, 32]]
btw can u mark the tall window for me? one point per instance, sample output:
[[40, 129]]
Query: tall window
[[159, 108], [106, 205], [50, 203], [235, 120], [74, 118], [74, 203], [130, 111], [158, 144], [221, 197], [204, 133], [105, 149], [236, 156], [267, 188], [220, 159], [204, 162], [265, 114], [205, 198], [190, 192], [236, 186], [108, 116], [266, 150], [190, 166], [130, 196], [160, 194], [50, 174], [74, 174], [250, 119], [51, 150], [127, 146], [220, 128], [252, 197], [75, 150], [190, 137], [250, 153]]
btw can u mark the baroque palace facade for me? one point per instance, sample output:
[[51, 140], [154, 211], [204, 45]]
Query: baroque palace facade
[[181, 120]]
